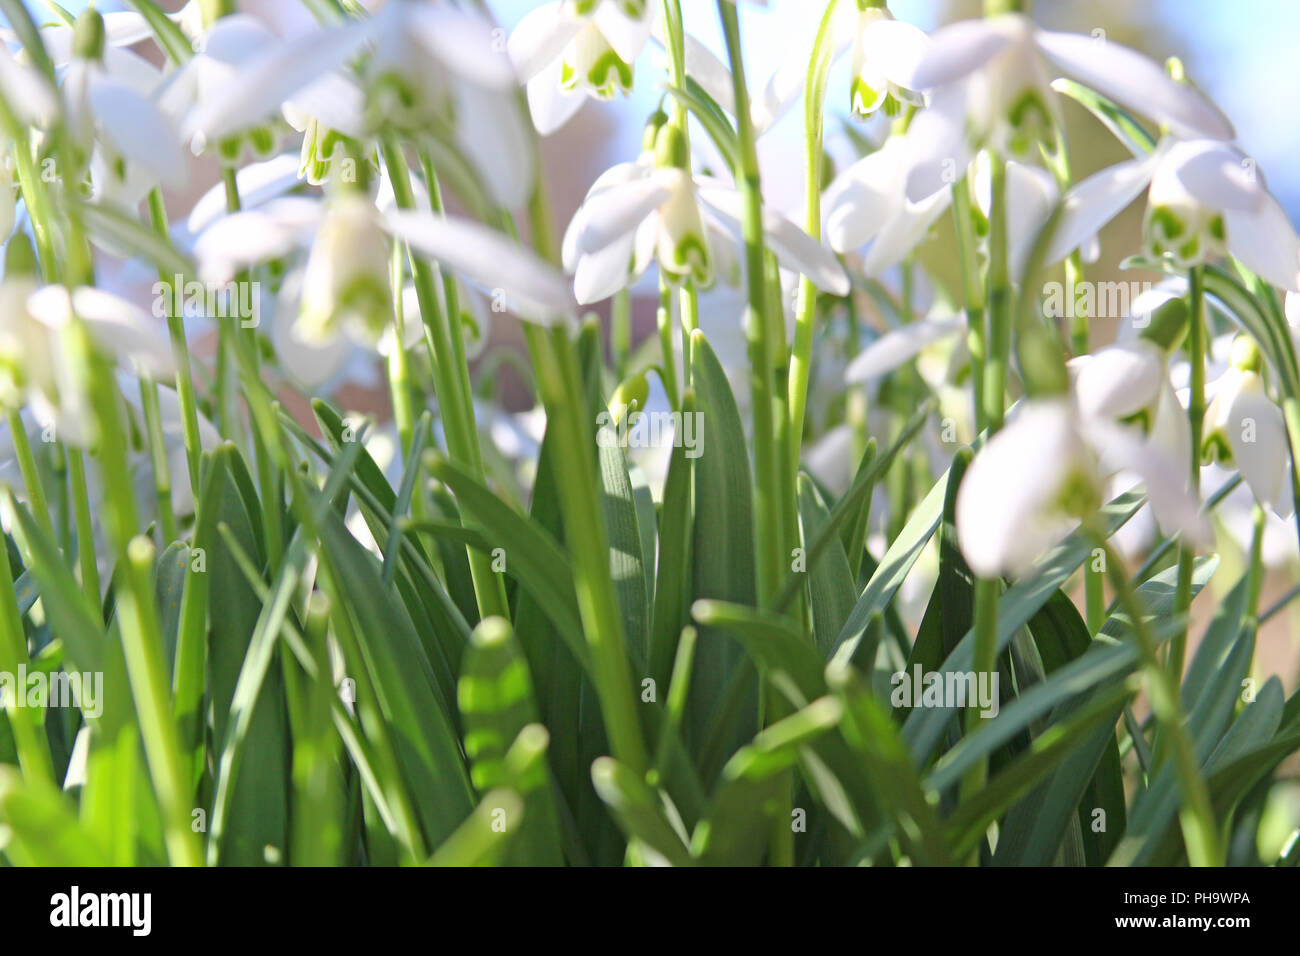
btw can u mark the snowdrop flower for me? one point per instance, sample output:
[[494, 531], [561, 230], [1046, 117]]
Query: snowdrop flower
[[991, 86], [568, 50], [1042, 474], [434, 66], [41, 359], [1244, 427], [346, 282], [648, 210], [116, 113], [868, 203], [1205, 198]]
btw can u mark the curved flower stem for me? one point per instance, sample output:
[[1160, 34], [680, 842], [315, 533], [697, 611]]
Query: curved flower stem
[[805, 318], [399, 371], [1195, 418], [450, 379], [1256, 570], [621, 332], [1200, 832]]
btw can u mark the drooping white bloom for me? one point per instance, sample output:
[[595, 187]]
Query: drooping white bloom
[[868, 203], [641, 212], [109, 108], [346, 282], [1204, 198], [991, 83], [568, 50], [1243, 427], [1039, 476], [39, 356]]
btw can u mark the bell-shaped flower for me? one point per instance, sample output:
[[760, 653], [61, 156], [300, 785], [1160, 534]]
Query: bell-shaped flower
[[1244, 428], [1205, 198], [991, 83], [655, 209], [115, 114], [42, 355], [1042, 474], [346, 282], [568, 50], [867, 203]]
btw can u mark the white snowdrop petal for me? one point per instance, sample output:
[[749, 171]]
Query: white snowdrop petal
[[550, 106], [793, 247], [1136, 82], [138, 129], [897, 346], [627, 35], [1095, 201], [261, 85], [1266, 243], [959, 49], [467, 43], [618, 209], [540, 38], [257, 183], [531, 287]]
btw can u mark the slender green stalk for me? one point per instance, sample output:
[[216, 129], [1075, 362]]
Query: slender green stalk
[[805, 318], [451, 379], [31, 474], [162, 482], [141, 637], [668, 360], [973, 289], [1200, 832], [768, 508], [185, 395], [1195, 420], [559, 383], [86, 557], [1000, 299], [621, 332], [771, 418]]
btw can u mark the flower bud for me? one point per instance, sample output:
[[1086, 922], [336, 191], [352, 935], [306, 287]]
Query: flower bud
[[88, 35], [629, 398]]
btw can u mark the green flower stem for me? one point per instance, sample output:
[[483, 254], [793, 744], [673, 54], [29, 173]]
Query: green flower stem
[[805, 318], [973, 293], [560, 387], [768, 508], [31, 474], [668, 359], [1291, 415], [1000, 300], [559, 382], [86, 556], [162, 482], [137, 615], [621, 332], [770, 415], [1094, 598], [451, 378], [1200, 832], [1000, 317], [1195, 418], [689, 298], [1059, 163], [185, 395], [399, 370], [1256, 570]]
